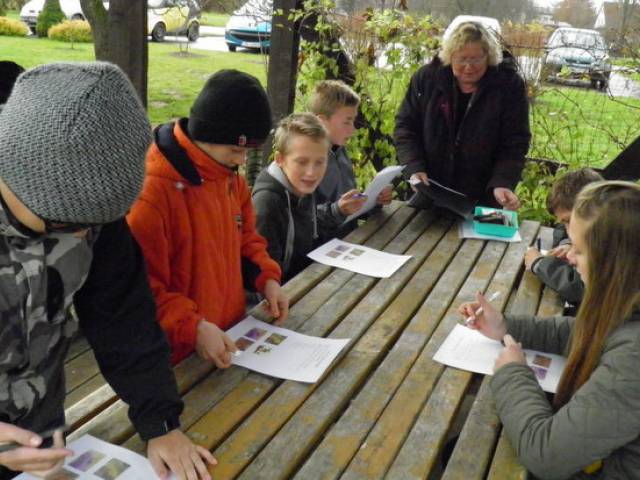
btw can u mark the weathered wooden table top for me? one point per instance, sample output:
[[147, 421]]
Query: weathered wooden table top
[[385, 408]]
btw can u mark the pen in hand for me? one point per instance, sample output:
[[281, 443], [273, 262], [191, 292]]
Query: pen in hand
[[5, 447], [468, 320]]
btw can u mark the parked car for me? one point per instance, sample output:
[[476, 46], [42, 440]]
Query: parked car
[[577, 53], [31, 10], [173, 17], [250, 26]]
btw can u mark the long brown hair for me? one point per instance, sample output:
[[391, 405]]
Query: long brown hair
[[611, 212]]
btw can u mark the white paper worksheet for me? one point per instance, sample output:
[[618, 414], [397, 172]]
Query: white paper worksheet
[[283, 353], [381, 180], [357, 258], [468, 349], [95, 459]]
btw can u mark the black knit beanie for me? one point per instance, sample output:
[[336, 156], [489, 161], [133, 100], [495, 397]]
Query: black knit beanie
[[231, 109]]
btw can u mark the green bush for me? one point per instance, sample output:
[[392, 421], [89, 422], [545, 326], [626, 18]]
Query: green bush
[[386, 47], [72, 31], [13, 28], [50, 15]]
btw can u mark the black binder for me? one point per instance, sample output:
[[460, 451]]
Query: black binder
[[438, 195]]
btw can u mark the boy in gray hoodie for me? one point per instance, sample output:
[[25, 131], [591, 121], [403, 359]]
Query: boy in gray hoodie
[[284, 192]]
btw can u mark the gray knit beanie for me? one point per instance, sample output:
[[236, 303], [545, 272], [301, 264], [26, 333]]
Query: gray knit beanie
[[73, 139]]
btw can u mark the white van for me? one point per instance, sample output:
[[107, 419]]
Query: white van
[[164, 17], [31, 10]]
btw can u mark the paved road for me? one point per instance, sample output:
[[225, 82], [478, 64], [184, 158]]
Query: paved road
[[211, 38]]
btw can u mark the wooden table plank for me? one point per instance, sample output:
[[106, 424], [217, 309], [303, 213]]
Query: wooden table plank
[[80, 370], [417, 419], [112, 423], [412, 460], [249, 439], [344, 439], [505, 464], [482, 426], [293, 441]]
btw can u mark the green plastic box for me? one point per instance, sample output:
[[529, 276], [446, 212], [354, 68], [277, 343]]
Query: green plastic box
[[492, 228]]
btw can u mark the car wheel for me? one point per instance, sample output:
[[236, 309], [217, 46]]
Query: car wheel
[[158, 33], [193, 32], [594, 83], [77, 16], [232, 48]]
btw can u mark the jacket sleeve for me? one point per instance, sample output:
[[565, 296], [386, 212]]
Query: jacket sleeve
[[254, 246], [515, 136], [117, 315], [329, 216], [561, 277], [545, 334], [178, 315], [407, 136], [601, 417]]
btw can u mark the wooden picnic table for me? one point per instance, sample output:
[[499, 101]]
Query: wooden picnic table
[[385, 408]]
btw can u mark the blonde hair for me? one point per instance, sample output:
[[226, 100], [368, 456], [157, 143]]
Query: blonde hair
[[612, 228], [305, 124], [330, 95], [471, 32]]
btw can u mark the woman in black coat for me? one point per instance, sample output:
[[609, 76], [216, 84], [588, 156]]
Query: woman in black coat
[[464, 121]]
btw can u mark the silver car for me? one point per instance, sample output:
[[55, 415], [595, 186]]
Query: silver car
[[577, 53]]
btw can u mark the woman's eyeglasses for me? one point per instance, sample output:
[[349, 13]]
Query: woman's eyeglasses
[[469, 61]]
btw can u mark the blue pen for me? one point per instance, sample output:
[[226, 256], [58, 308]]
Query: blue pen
[[359, 195]]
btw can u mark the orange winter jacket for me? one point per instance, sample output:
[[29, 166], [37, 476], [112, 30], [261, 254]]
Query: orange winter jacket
[[194, 228]]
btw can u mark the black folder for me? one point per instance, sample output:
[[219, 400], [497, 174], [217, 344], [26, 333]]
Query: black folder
[[434, 194]]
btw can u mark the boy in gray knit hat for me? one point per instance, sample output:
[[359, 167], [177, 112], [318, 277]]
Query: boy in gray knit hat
[[72, 143]]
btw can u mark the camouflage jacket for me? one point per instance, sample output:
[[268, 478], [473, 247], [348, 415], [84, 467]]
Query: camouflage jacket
[[40, 278]]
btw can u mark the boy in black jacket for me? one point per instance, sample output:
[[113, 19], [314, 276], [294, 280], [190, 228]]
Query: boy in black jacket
[[553, 269], [72, 144]]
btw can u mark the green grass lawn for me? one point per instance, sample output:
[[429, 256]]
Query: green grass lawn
[[13, 14], [214, 19], [175, 77], [582, 127]]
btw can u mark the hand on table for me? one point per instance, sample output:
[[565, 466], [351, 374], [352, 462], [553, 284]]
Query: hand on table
[[29, 458], [276, 302], [351, 201], [214, 345], [506, 198], [511, 353], [176, 453]]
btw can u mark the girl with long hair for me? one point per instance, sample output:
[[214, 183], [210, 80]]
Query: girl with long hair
[[592, 429]]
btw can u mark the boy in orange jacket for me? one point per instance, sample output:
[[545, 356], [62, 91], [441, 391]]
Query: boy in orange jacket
[[195, 222]]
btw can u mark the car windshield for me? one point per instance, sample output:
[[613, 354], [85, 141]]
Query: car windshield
[[256, 8], [568, 38]]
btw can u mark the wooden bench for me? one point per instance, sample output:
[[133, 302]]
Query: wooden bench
[[385, 408]]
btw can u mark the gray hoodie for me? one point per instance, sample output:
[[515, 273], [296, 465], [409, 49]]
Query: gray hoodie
[[289, 223]]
